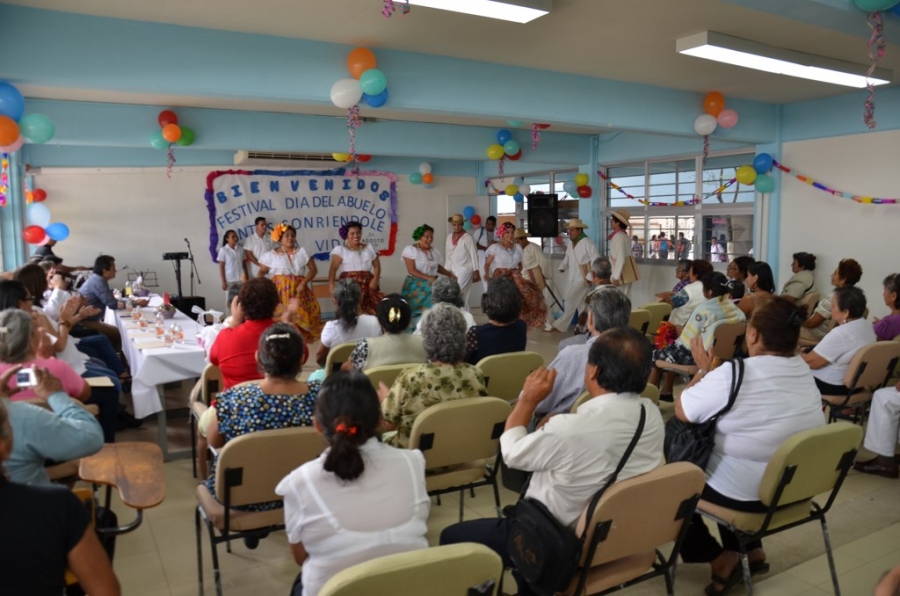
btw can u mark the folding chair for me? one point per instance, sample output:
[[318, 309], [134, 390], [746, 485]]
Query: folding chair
[[726, 340], [387, 374], [504, 374], [337, 356], [870, 369], [204, 392], [640, 320], [659, 312]]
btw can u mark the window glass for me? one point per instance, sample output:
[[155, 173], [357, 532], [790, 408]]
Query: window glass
[[717, 172], [631, 180], [673, 181]]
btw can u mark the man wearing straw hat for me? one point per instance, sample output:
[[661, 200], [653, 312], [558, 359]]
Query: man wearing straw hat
[[619, 247], [462, 257], [580, 253]]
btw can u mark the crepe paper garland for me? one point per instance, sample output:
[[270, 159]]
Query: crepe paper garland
[[837, 193], [535, 136], [876, 46], [353, 122], [705, 148], [4, 178], [693, 201], [170, 160], [389, 8]]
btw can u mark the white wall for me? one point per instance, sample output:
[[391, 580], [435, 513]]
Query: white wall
[[834, 228], [137, 214]]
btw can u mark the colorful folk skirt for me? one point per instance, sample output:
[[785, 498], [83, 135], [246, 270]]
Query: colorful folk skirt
[[417, 292], [309, 315], [370, 297], [534, 309]]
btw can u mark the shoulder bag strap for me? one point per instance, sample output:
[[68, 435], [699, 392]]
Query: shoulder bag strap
[[737, 377], [612, 479]]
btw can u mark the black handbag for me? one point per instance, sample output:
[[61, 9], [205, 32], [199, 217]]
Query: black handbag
[[686, 441], [545, 552]]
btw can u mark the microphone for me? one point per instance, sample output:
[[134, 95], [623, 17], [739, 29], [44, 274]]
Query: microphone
[[186, 242]]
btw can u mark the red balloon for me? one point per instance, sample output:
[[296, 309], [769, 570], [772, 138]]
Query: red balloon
[[363, 158], [584, 192], [515, 157], [39, 195], [167, 117], [34, 234], [543, 126], [476, 220]]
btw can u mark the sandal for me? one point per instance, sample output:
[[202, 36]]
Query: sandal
[[735, 578]]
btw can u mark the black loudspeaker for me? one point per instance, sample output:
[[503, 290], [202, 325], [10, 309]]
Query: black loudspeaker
[[543, 215], [186, 303]]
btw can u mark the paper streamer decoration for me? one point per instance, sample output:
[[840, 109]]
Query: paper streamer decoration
[[693, 201], [535, 136], [837, 193], [4, 178], [389, 8], [705, 148], [170, 160], [876, 47], [353, 122]]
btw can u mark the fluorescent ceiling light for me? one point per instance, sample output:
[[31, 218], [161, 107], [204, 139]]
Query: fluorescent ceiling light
[[519, 11], [758, 56]]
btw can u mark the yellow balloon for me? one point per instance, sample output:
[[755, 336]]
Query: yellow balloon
[[581, 179], [341, 156], [746, 175], [511, 189], [495, 151]]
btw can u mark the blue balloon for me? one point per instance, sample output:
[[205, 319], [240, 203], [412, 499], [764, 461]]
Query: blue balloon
[[376, 101], [764, 184], [503, 136], [895, 11], [518, 197], [57, 231], [468, 212], [571, 188], [762, 163], [415, 178], [12, 104], [428, 185]]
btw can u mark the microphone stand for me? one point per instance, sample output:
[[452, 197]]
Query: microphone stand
[[193, 267]]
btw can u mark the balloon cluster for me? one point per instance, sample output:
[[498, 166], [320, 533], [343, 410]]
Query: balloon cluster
[[423, 176], [505, 148], [39, 229], [170, 133], [368, 83], [348, 157], [517, 190], [716, 115], [578, 187], [17, 129], [471, 218], [758, 174], [877, 5]]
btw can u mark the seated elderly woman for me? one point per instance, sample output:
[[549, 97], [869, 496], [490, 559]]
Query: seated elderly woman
[[327, 528], [279, 400], [817, 326], [395, 346], [349, 323], [690, 296], [888, 328], [717, 310], [777, 398], [445, 377], [761, 284], [505, 331], [447, 290], [831, 356], [46, 529], [803, 281], [739, 268]]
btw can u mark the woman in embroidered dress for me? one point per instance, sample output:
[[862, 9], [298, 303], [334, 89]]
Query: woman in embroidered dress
[[505, 258], [358, 262], [291, 268], [423, 264]]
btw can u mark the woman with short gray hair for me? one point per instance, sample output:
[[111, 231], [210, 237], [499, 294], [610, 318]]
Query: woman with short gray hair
[[446, 290], [348, 323], [444, 377]]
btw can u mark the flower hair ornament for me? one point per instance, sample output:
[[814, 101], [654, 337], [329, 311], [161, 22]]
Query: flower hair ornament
[[278, 231], [344, 230], [345, 429], [419, 232], [506, 227], [395, 314], [278, 336]]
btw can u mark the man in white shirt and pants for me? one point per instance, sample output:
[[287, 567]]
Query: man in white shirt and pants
[[256, 245], [462, 257], [619, 248], [484, 237], [572, 456], [580, 253]]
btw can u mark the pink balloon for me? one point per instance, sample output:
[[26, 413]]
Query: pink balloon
[[44, 241], [14, 147], [727, 118]]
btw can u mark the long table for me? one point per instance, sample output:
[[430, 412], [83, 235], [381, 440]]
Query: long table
[[151, 368]]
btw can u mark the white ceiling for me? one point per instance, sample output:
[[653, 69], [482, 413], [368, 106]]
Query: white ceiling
[[628, 40]]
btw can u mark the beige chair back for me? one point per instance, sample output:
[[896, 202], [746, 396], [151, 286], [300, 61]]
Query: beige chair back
[[387, 374], [438, 571], [873, 365], [815, 454], [337, 356], [210, 383], [810, 301], [659, 312], [264, 458], [727, 338], [651, 392], [643, 512], [460, 431], [640, 320], [585, 396], [504, 374]]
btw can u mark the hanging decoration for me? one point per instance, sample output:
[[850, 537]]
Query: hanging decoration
[[169, 134], [389, 7], [837, 193], [368, 85], [17, 129], [876, 49], [536, 129], [4, 177], [353, 123], [716, 115], [505, 148], [692, 201]]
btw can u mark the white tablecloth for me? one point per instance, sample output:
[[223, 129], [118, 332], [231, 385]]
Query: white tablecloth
[[153, 367]]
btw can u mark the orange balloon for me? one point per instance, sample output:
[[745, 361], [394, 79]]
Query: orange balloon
[[9, 131], [714, 103], [427, 178], [359, 61], [171, 132]]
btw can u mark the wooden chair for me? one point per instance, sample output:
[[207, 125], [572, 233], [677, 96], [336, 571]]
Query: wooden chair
[[504, 374], [387, 374], [651, 392], [659, 312], [870, 369], [806, 465], [452, 570], [247, 471], [337, 356], [726, 340], [632, 521], [640, 320], [204, 392], [457, 438]]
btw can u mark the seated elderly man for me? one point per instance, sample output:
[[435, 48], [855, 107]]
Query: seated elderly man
[[443, 378], [609, 308], [573, 455], [96, 291], [601, 276], [881, 434]]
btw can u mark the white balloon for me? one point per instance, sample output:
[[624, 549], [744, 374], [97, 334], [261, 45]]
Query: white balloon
[[346, 93], [424, 168], [705, 124], [524, 189]]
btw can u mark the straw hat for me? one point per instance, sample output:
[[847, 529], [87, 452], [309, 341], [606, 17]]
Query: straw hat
[[576, 223], [622, 216], [456, 218], [520, 233]]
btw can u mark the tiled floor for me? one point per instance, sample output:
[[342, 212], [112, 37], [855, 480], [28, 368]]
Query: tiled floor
[[160, 557]]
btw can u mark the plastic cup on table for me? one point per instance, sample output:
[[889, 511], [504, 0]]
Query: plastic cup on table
[[168, 338]]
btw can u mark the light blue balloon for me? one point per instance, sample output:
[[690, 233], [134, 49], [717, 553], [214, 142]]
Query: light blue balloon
[[467, 225], [157, 141], [12, 104], [428, 185], [875, 5], [511, 147], [38, 215], [468, 212], [503, 135], [571, 188], [518, 181], [36, 128], [518, 197], [57, 231], [764, 184], [415, 178], [376, 101], [373, 81], [515, 123]]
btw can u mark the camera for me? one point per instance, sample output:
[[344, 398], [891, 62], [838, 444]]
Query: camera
[[26, 378]]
